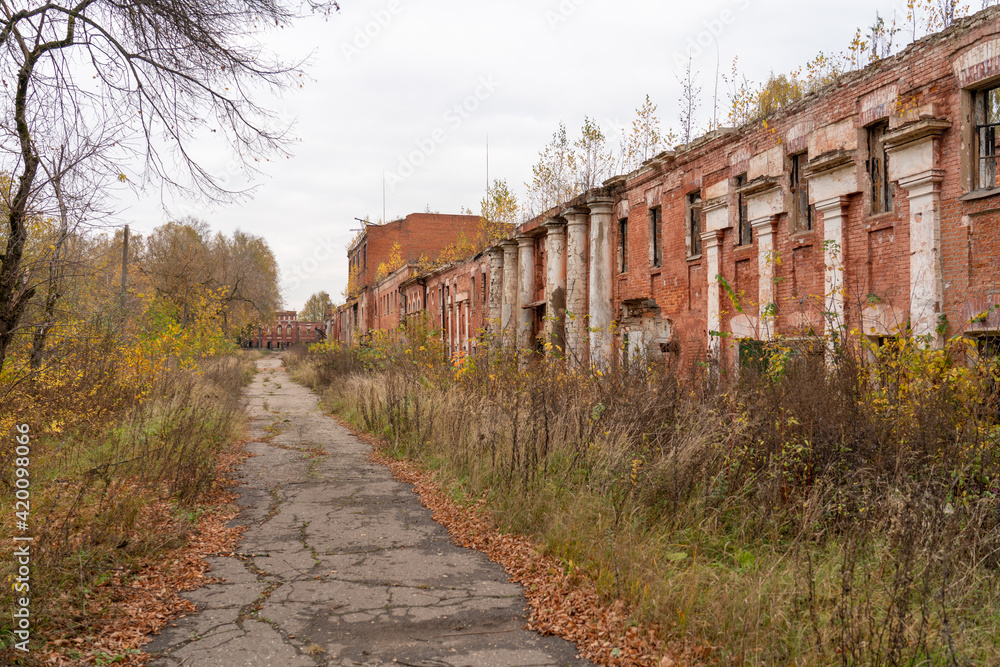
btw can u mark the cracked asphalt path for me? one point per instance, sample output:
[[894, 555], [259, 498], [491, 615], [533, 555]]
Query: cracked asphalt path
[[341, 565]]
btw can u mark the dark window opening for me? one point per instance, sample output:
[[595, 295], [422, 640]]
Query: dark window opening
[[987, 118], [988, 346], [878, 169], [801, 211], [655, 232], [744, 230], [694, 223], [623, 245]]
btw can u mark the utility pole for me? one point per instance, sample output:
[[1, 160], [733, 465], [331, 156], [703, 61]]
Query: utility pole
[[124, 269]]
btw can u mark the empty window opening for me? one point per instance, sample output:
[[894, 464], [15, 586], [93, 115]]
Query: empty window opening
[[655, 233], [744, 230], [801, 211], [694, 223], [623, 245]]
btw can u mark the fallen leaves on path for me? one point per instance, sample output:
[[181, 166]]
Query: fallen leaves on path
[[564, 606], [143, 604]]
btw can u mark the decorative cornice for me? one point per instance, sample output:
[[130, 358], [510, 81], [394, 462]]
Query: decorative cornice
[[555, 226], [832, 204], [921, 129], [715, 203], [601, 204], [712, 238], [759, 185], [765, 224], [829, 162]]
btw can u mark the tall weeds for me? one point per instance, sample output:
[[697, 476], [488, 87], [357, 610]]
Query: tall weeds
[[799, 514], [123, 448]]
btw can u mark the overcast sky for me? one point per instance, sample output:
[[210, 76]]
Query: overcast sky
[[412, 89]]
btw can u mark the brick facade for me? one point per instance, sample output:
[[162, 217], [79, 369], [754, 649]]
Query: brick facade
[[864, 206], [287, 331], [420, 237]]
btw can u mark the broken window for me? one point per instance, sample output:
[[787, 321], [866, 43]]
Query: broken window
[[623, 245], [801, 211], [655, 232], [878, 169], [987, 118], [744, 230], [694, 224]]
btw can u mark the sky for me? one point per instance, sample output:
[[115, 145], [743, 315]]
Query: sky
[[410, 91]]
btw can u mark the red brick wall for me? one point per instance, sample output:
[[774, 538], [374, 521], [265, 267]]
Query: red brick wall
[[876, 248]]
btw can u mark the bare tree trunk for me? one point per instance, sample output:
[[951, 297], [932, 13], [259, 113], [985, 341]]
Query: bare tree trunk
[[55, 273], [14, 293]]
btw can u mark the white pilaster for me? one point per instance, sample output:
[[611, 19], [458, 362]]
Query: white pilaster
[[495, 309], [834, 212], [526, 291], [601, 285], [913, 162], [764, 230], [555, 284], [577, 294], [509, 308]]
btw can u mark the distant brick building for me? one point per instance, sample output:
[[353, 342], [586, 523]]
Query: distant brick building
[[286, 331], [419, 236], [871, 205]]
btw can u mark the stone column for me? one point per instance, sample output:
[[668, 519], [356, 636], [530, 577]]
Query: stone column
[[711, 247], [465, 324], [577, 296], [526, 291], [449, 296], [716, 211], [456, 319], [601, 285], [555, 285], [834, 212], [913, 162], [764, 230], [495, 307], [508, 319], [926, 283]]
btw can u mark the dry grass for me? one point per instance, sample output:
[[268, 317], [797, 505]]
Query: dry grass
[[115, 488], [793, 517]]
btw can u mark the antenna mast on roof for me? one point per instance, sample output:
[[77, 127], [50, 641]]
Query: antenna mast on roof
[[487, 164], [383, 196]]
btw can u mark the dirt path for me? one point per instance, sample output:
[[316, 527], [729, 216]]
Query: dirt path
[[341, 565]]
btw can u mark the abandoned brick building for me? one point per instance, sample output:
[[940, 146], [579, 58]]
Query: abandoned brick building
[[286, 331], [372, 302], [871, 205]]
